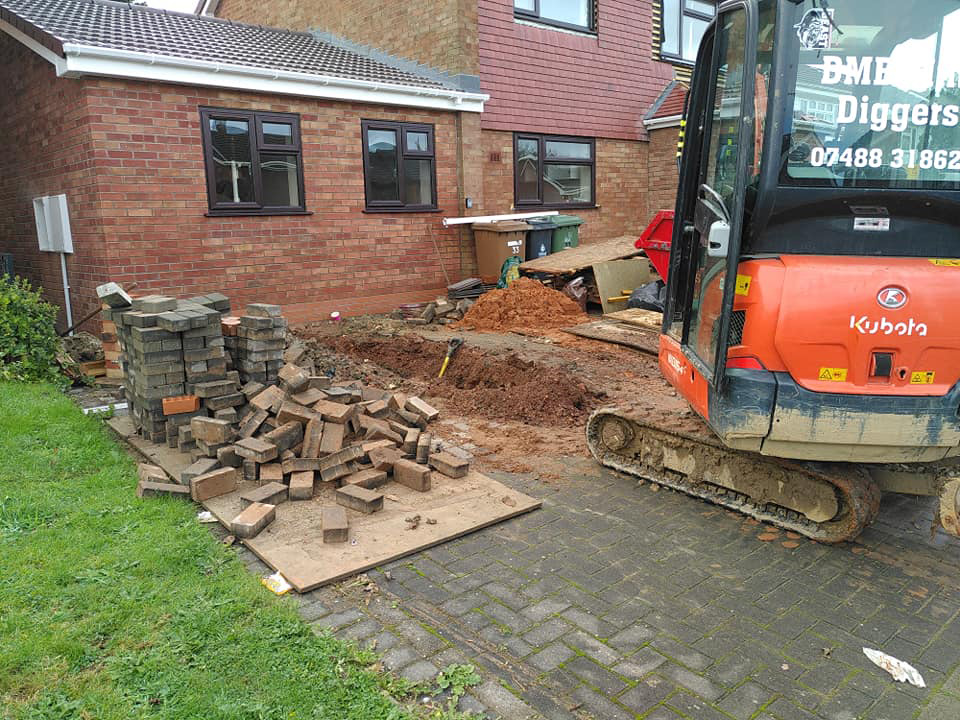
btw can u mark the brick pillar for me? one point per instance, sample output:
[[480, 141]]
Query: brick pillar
[[111, 347]]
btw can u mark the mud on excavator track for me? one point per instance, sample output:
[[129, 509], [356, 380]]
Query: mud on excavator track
[[827, 502]]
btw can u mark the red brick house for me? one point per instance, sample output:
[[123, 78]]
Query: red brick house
[[570, 84], [311, 166]]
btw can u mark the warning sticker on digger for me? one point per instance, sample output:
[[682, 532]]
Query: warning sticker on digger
[[945, 263], [743, 284], [922, 378], [833, 374]]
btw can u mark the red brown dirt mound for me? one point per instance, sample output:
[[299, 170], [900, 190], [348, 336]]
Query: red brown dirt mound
[[477, 383], [525, 304]]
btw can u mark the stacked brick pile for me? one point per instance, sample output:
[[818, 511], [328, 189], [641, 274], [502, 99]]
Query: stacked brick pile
[[255, 342], [174, 361], [301, 435]]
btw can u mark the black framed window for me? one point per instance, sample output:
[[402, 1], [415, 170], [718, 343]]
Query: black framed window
[[254, 162], [554, 171], [683, 23], [573, 14], [399, 166]]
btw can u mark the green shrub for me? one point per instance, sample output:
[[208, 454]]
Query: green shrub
[[28, 336]]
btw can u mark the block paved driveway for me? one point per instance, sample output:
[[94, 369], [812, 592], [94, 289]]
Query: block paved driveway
[[616, 601]]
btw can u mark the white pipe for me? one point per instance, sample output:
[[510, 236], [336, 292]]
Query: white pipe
[[66, 290], [447, 222]]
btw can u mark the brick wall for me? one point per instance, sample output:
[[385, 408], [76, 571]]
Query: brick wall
[[47, 150], [622, 186], [663, 169], [546, 80], [129, 154], [439, 33]]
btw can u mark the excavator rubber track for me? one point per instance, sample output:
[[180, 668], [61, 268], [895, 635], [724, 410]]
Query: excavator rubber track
[[829, 503]]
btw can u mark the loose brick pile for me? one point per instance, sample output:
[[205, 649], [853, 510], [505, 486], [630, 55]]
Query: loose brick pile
[[441, 311], [301, 434], [255, 342]]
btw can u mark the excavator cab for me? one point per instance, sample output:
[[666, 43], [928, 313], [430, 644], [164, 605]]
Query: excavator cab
[[816, 233], [814, 268]]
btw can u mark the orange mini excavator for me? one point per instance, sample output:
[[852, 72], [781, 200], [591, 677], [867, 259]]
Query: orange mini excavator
[[814, 269]]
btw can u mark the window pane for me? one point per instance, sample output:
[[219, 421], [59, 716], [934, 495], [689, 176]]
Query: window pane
[[418, 181], [574, 12], [275, 133], [418, 141], [704, 8], [528, 5], [693, 30], [671, 27], [233, 178], [281, 180], [528, 170], [568, 150], [382, 149], [567, 184]]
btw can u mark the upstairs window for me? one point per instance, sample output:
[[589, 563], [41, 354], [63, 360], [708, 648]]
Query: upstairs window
[[572, 14], [399, 166], [683, 25], [553, 172], [254, 163]]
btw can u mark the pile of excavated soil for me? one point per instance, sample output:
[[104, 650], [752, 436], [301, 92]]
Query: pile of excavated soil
[[497, 387], [525, 304]]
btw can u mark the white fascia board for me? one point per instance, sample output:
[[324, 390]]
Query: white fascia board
[[664, 122], [89, 60], [46, 53]]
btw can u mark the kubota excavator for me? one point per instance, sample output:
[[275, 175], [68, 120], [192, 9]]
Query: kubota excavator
[[814, 269]]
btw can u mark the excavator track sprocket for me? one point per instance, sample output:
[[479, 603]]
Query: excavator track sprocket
[[826, 502]]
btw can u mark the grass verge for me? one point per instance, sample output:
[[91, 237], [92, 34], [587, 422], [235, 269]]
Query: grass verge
[[116, 607]]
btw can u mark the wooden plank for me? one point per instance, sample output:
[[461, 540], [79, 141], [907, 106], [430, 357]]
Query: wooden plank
[[614, 277], [635, 317], [293, 544], [579, 258], [94, 368], [171, 460], [645, 341]]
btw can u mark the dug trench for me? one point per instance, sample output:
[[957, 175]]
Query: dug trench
[[511, 408]]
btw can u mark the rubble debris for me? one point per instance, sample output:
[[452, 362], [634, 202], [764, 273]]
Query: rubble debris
[[441, 312], [273, 493], [449, 465], [525, 304], [213, 484], [150, 488]]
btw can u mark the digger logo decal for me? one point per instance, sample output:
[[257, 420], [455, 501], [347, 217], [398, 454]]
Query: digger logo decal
[[892, 298], [865, 326]]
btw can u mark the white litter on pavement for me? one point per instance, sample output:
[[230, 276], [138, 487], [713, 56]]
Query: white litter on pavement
[[901, 671], [205, 516]]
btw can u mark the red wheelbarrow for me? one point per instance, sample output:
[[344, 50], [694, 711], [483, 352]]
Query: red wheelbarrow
[[656, 240]]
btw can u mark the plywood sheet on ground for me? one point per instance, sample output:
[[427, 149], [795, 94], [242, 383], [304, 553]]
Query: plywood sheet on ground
[[585, 256], [171, 460], [293, 543], [635, 317], [619, 278], [643, 340]]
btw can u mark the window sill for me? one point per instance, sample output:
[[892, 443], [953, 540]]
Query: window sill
[[558, 26], [381, 211], [254, 213]]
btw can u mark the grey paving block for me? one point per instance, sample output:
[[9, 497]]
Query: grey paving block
[[550, 657], [501, 701], [598, 706], [399, 657], [595, 675], [646, 694], [641, 663], [697, 684], [420, 671], [547, 632], [591, 647], [745, 700]]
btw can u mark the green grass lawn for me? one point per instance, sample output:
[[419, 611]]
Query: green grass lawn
[[116, 607]]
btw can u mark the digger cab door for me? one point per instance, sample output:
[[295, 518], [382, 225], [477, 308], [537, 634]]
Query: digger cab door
[[718, 154]]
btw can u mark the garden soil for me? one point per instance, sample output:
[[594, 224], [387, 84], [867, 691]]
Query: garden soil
[[525, 304]]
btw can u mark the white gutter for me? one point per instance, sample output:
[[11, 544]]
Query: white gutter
[[664, 122], [89, 60], [46, 53], [448, 222]]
